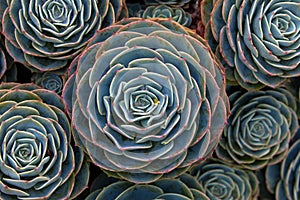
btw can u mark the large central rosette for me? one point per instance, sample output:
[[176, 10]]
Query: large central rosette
[[146, 99]]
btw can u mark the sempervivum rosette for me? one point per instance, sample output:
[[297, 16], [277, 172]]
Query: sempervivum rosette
[[221, 181], [147, 98], [53, 81], [282, 179], [44, 35], [37, 160], [258, 40], [259, 128], [183, 188], [164, 11]]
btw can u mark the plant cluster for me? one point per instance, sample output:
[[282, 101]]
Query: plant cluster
[[157, 99]]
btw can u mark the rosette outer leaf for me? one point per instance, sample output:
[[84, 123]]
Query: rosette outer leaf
[[221, 181], [282, 179], [37, 160], [259, 129], [45, 35], [183, 188], [146, 98], [258, 41]]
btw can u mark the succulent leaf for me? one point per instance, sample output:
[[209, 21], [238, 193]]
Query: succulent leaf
[[184, 187], [282, 178]]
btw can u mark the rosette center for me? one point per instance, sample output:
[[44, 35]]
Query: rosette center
[[57, 14], [218, 190], [258, 128], [143, 102], [53, 84], [25, 151], [220, 187], [56, 10]]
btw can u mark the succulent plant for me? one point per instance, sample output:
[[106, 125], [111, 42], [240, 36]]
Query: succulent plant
[[45, 35], [259, 128], [258, 41], [221, 181], [146, 99], [164, 11], [50, 80], [282, 179], [166, 2], [37, 160], [183, 188]]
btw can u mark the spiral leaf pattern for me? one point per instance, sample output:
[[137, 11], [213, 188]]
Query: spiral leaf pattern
[[259, 129], [257, 40], [53, 81], [221, 181], [164, 11], [146, 100], [44, 35], [37, 160]]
